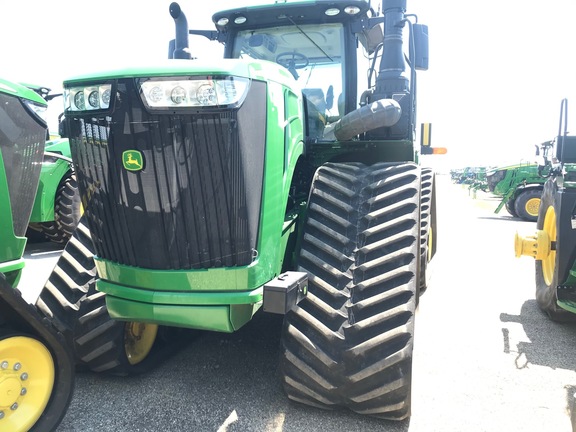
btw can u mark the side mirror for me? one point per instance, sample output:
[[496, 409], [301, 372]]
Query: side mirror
[[421, 51]]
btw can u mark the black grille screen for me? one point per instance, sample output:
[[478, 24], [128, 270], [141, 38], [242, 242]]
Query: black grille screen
[[22, 144], [196, 202]]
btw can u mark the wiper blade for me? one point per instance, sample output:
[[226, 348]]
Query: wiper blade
[[310, 39]]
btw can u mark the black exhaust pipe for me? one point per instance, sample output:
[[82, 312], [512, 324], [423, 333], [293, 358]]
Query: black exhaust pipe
[[181, 50], [391, 76], [394, 81]]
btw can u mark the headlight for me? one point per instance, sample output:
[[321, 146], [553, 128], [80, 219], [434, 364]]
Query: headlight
[[188, 93], [89, 98], [37, 109]]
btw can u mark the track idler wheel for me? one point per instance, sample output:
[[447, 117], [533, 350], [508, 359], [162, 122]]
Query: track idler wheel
[[139, 339]]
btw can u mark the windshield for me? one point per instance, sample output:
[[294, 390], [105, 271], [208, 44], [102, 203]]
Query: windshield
[[312, 53]]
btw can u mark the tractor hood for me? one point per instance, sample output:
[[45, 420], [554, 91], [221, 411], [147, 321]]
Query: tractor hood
[[20, 91], [253, 69], [511, 167]]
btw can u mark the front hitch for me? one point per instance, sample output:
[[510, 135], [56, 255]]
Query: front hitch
[[537, 246]]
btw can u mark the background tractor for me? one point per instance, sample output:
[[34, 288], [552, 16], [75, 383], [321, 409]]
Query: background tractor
[[520, 187], [283, 179], [36, 369], [56, 210], [554, 244]]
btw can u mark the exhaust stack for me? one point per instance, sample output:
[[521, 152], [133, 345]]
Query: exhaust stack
[[181, 42]]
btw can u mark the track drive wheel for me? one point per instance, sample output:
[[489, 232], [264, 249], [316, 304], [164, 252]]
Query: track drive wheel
[[547, 268], [527, 204], [350, 342]]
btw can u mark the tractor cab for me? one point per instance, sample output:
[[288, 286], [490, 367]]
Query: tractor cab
[[314, 56], [332, 50]]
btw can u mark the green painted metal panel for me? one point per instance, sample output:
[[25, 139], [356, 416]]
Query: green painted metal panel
[[255, 69], [51, 174], [184, 298], [12, 247], [213, 318], [20, 91]]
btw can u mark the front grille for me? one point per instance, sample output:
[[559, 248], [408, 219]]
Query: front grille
[[196, 202], [22, 145]]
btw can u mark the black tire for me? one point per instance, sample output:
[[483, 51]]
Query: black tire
[[527, 203], [23, 331], [510, 207], [349, 342], [68, 207], [67, 211], [546, 295]]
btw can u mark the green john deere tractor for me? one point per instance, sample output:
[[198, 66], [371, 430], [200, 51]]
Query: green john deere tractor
[[56, 211], [520, 187], [283, 179], [554, 244], [36, 369]]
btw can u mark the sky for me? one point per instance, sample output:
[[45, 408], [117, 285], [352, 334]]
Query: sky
[[498, 68]]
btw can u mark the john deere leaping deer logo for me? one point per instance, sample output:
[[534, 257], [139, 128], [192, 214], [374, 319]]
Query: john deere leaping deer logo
[[132, 160]]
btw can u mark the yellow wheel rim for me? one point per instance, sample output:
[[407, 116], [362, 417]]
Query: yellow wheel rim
[[138, 340], [549, 263], [532, 206], [26, 382]]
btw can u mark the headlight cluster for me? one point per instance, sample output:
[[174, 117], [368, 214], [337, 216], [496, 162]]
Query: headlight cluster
[[39, 110], [88, 98], [194, 92]]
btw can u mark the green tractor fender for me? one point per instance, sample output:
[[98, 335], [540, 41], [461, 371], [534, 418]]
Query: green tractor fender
[[54, 170]]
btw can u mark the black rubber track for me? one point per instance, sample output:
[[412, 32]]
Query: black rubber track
[[546, 294], [67, 211], [349, 343], [70, 301], [68, 283], [99, 340], [427, 193]]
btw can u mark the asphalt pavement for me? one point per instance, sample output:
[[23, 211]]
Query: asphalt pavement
[[485, 358]]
